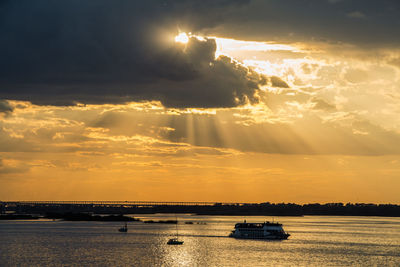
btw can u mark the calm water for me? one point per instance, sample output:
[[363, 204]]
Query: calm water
[[315, 241]]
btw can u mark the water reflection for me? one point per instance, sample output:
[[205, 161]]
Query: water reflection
[[315, 241]]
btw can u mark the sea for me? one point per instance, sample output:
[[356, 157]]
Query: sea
[[314, 241]]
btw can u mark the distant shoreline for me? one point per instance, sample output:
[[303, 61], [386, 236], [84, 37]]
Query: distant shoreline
[[43, 209]]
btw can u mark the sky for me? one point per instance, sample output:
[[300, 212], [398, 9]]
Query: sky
[[217, 100]]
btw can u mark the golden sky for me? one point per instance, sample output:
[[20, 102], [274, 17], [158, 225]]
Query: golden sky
[[273, 118]]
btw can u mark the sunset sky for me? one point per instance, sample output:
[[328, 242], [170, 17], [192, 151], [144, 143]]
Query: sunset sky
[[212, 100]]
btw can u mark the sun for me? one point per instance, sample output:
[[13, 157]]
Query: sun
[[182, 38]]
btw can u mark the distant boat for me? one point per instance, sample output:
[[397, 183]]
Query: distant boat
[[266, 230], [124, 228], [175, 240]]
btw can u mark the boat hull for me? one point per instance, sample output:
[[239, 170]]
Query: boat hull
[[175, 243], [272, 237]]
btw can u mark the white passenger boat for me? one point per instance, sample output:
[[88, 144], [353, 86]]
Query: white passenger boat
[[265, 230]]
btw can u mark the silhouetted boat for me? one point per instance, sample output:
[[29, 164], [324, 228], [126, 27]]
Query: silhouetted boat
[[265, 230], [124, 228], [175, 241]]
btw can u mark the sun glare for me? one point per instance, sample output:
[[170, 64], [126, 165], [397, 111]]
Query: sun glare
[[182, 38]]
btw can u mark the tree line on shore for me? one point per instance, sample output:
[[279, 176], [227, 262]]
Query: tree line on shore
[[261, 209]]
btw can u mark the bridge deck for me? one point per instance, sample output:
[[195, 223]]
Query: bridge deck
[[117, 203]]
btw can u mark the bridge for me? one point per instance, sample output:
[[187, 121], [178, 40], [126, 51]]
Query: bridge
[[118, 203], [112, 206]]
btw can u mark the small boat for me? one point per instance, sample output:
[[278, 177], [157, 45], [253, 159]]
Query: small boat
[[265, 230], [175, 240], [124, 228]]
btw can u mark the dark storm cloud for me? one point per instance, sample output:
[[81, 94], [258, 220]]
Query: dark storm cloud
[[368, 23], [62, 52]]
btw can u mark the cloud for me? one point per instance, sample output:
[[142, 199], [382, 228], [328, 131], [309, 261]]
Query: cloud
[[9, 142], [395, 62], [15, 167], [112, 52], [132, 132], [356, 75], [5, 107], [322, 104], [315, 21], [334, 1], [278, 82], [60, 53], [356, 15]]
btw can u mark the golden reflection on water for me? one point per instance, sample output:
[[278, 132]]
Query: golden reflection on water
[[179, 255], [315, 241]]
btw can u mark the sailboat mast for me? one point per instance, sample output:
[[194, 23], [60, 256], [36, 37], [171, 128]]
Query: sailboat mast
[[176, 219]]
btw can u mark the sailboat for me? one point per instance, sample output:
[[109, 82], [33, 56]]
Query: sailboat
[[124, 228], [175, 240]]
